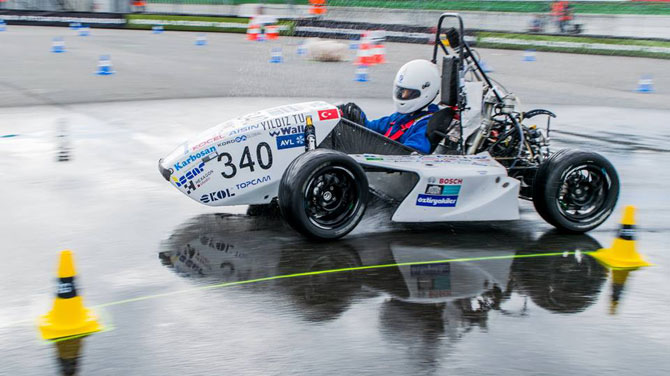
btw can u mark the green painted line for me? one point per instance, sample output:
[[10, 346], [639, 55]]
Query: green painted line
[[306, 274], [329, 271]]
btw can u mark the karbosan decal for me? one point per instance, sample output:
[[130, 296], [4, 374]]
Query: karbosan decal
[[253, 182], [193, 157], [216, 196]]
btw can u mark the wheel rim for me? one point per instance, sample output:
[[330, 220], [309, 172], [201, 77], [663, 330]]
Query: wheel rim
[[583, 192], [331, 197]]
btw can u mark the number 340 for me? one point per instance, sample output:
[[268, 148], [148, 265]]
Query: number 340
[[263, 156]]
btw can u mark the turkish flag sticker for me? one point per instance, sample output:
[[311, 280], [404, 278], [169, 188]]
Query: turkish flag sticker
[[329, 114]]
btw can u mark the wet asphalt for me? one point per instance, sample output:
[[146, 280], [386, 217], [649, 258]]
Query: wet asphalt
[[78, 157]]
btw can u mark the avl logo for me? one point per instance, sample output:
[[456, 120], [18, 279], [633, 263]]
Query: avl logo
[[290, 141]]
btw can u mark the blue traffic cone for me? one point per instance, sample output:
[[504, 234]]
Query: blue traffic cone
[[201, 40], [3, 25], [645, 84], [84, 31], [353, 43], [74, 25], [276, 55], [302, 51], [157, 29], [105, 66], [529, 55], [58, 45], [485, 67], [362, 73]]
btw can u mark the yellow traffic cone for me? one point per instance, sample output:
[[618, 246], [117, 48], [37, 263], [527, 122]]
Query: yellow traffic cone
[[619, 277], [68, 353], [622, 253], [68, 317]]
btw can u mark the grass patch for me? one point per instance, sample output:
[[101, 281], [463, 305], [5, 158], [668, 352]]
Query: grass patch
[[594, 7], [195, 23], [577, 50], [576, 39]]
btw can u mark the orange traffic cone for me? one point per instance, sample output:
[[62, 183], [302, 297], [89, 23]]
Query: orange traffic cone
[[272, 32], [68, 317], [622, 253], [364, 55], [252, 32], [379, 54]]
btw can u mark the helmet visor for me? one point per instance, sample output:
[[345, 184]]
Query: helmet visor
[[405, 94]]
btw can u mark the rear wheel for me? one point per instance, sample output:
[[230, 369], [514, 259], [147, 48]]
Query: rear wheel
[[323, 194], [575, 191]]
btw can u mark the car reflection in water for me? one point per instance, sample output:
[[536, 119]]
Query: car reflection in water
[[426, 302]]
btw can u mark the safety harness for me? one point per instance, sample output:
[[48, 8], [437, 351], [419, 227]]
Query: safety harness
[[404, 127]]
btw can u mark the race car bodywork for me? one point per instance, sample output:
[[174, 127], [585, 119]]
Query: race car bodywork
[[242, 162], [321, 167]]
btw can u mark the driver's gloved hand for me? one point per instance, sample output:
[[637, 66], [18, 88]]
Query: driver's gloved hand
[[352, 112]]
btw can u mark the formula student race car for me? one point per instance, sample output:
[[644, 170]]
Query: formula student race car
[[321, 167]]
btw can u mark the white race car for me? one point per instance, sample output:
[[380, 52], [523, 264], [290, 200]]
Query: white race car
[[320, 167]]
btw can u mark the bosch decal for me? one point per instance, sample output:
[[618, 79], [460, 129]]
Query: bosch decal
[[193, 157], [216, 196]]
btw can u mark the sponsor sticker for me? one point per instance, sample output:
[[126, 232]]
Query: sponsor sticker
[[216, 196], [193, 157], [290, 141], [329, 114], [436, 201]]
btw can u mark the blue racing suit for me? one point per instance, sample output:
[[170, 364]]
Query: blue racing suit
[[408, 129]]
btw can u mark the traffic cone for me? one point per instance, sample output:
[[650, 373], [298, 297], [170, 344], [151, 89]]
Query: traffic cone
[[201, 40], [105, 66], [301, 51], [272, 32], [529, 55], [362, 73], [58, 45], [379, 54], [157, 29], [622, 253], [252, 32], [84, 31], [645, 84], [353, 43], [68, 316], [619, 278], [276, 55], [74, 25], [68, 354], [364, 55], [3, 25]]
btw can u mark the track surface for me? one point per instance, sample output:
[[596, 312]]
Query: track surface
[[134, 236]]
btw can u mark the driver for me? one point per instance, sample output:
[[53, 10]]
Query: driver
[[415, 87]]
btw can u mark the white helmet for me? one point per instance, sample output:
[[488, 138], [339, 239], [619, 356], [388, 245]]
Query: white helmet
[[416, 85]]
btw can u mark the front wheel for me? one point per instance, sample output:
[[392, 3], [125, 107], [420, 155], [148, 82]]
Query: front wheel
[[575, 191], [323, 194]]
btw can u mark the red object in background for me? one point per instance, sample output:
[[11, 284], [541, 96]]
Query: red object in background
[[317, 7], [328, 114], [651, 1]]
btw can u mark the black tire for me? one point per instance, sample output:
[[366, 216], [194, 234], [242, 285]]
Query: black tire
[[304, 200], [575, 191]]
